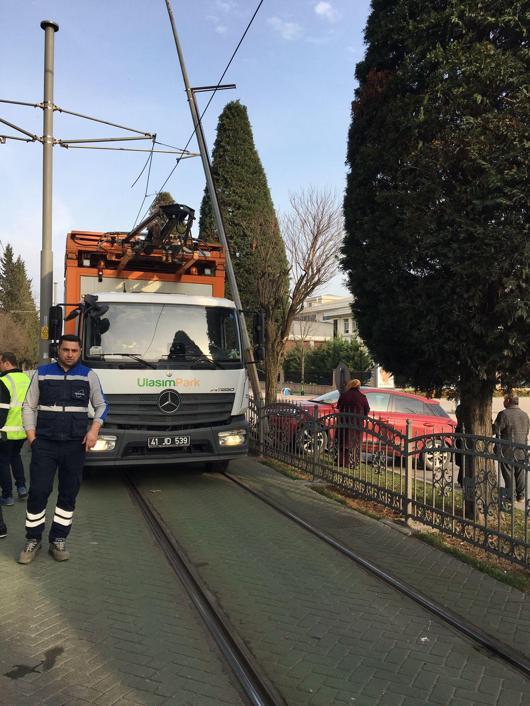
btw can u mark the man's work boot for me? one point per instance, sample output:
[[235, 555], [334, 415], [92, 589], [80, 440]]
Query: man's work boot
[[22, 492], [58, 550], [3, 530], [30, 551], [7, 502]]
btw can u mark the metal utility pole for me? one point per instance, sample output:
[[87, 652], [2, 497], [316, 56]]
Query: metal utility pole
[[46, 255], [249, 353], [47, 294]]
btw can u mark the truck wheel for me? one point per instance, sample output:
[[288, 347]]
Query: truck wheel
[[217, 466]]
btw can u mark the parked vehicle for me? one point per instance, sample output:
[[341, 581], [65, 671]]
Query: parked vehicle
[[149, 307], [392, 407]]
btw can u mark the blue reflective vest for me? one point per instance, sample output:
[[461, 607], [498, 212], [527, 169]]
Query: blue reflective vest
[[62, 413]]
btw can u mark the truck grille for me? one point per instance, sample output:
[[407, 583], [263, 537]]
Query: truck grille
[[141, 412]]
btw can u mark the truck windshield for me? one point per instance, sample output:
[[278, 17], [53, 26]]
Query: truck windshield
[[163, 336]]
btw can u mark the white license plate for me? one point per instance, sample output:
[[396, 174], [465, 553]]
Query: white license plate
[[163, 442]]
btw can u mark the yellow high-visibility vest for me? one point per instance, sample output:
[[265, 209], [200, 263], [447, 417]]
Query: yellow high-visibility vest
[[17, 384]]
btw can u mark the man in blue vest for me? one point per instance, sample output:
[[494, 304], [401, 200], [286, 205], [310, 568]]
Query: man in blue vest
[[55, 416], [13, 387]]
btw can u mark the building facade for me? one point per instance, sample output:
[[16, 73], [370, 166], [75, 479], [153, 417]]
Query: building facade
[[333, 312]]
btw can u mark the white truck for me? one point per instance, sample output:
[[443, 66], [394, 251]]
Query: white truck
[[166, 346]]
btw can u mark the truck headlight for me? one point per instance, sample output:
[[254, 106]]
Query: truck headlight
[[235, 437], [105, 443]]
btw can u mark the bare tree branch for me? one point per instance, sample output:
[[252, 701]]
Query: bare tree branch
[[312, 231]]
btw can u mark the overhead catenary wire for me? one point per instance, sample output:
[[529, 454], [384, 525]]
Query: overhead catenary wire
[[103, 122], [214, 91], [34, 138], [140, 134], [30, 105], [162, 144], [145, 165], [82, 143], [149, 162], [102, 139], [3, 138], [188, 155], [149, 169], [143, 134]]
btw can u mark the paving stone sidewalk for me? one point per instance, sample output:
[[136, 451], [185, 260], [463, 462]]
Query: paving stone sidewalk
[[110, 626], [497, 608]]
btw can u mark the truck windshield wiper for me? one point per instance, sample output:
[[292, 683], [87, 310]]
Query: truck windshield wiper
[[134, 356]]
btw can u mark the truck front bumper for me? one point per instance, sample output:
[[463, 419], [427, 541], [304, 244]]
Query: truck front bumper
[[131, 446]]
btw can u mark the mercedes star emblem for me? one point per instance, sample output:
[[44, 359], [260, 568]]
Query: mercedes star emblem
[[169, 401]]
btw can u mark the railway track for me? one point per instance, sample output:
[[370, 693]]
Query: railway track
[[252, 682], [253, 679], [473, 632]]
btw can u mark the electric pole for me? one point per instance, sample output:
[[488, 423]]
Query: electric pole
[[248, 351], [46, 255]]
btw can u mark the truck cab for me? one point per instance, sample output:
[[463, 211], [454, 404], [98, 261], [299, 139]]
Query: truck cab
[[172, 372]]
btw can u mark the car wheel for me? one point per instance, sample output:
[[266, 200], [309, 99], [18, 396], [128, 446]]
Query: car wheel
[[432, 459], [307, 437]]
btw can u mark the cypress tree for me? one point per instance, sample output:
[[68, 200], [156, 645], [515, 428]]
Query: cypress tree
[[437, 251], [256, 245], [8, 291], [16, 299]]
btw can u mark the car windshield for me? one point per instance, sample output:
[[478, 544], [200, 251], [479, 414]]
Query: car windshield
[[378, 401], [163, 336], [438, 411], [327, 398]]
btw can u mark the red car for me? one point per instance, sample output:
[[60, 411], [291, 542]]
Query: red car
[[393, 407]]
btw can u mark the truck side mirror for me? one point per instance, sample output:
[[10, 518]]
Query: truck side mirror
[[258, 331], [55, 323]]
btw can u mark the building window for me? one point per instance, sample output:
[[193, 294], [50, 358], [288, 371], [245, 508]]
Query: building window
[[335, 328], [346, 326]]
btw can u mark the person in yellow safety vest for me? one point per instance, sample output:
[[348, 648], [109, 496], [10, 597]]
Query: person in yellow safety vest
[[13, 388]]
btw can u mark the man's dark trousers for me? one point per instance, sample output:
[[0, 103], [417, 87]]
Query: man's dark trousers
[[48, 456], [10, 461], [508, 471]]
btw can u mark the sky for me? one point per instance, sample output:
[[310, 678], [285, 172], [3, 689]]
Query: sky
[[117, 61]]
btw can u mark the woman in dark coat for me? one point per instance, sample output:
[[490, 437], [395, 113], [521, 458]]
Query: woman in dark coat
[[353, 406]]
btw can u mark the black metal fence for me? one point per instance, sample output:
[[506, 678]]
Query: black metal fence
[[472, 487]]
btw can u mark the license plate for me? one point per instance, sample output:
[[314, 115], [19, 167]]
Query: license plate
[[164, 442]]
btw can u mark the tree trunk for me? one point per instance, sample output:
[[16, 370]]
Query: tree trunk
[[302, 369], [476, 407], [479, 479], [273, 359], [271, 380]]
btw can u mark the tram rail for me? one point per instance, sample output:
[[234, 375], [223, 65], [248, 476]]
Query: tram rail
[[253, 683], [484, 640]]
